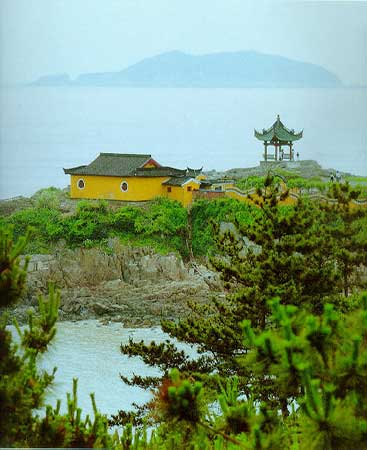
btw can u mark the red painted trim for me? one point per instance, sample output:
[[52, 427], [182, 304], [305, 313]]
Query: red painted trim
[[150, 162]]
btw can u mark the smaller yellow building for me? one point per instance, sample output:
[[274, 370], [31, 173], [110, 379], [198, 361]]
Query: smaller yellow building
[[132, 178]]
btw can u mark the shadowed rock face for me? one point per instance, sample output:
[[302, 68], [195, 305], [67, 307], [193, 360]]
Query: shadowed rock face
[[133, 285]]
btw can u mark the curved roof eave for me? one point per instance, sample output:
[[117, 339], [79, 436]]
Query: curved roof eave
[[281, 135]]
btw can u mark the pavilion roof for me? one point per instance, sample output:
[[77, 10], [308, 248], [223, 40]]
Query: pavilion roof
[[279, 132]]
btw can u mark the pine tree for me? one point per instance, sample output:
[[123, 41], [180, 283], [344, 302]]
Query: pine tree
[[292, 258], [321, 361], [347, 224], [318, 360], [23, 386]]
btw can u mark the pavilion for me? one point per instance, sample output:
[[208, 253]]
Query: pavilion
[[278, 136]]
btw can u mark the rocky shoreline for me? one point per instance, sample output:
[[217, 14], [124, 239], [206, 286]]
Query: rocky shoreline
[[135, 286]]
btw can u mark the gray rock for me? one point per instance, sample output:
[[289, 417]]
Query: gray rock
[[132, 285]]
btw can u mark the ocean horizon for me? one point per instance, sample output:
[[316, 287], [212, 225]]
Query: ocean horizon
[[46, 129]]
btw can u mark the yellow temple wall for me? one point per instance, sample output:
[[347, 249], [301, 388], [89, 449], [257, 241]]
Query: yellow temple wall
[[177, 193], [109, 188], [181, 193]]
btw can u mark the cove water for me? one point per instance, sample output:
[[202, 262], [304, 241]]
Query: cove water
[[90, 352], [43, 129]]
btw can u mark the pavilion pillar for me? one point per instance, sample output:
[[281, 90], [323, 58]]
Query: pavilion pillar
[[278, 138]]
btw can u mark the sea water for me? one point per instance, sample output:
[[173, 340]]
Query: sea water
[[90, 352], [43, 129]]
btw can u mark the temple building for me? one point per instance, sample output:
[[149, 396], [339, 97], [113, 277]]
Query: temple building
[[280, 140], [132, 178]]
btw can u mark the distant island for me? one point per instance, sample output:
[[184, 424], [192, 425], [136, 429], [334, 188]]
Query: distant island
[[214, 70]]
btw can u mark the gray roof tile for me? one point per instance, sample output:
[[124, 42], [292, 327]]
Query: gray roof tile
[[111, 164], [123, 165]]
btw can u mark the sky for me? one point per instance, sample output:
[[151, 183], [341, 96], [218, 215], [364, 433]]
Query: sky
[[43, 37]]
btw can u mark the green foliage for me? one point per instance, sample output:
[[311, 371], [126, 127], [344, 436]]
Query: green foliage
[[359, 183], [205, 213], [49, 198], [178, 400], [299, 350], [45, 222], [12, 275], [318, 360], [162, 225], [164, 217], [70, 430], [308, 184], [157, 243], [41, 330], [23, 386], [323, 361], [291, 179], [347, 228], [124, 219], [292, 254], [251, 182], [90, 222]]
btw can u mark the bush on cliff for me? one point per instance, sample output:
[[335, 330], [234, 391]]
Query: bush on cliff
[[206, 213], [91, 221], [162, 223], [297, 262], [47, 225]]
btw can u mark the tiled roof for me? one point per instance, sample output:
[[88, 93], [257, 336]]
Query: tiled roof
[[122, 165], [179, 181], [111, 164], [279, 132], [165, 172]]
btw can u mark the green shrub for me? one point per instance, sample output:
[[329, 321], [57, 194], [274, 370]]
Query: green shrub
[[91, 221], [206, 212], [163, 217], [308, 184], [251, 182], [123, 220], [47, 225], [48, 198]]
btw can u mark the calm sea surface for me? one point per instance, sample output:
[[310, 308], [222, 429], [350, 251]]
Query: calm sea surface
[[90, 352], [45, 129]]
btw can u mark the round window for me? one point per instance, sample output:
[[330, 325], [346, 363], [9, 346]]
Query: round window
[[81, 184], [124, 186]]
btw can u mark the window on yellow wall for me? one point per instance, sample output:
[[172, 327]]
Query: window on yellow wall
[[80, 183], [169, 189], [189, 188], [124, 186]]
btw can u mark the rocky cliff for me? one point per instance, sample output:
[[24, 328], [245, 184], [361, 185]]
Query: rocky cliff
[[133, 285]]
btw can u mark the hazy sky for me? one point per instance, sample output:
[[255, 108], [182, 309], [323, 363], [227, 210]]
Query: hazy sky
[[42, 37]]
